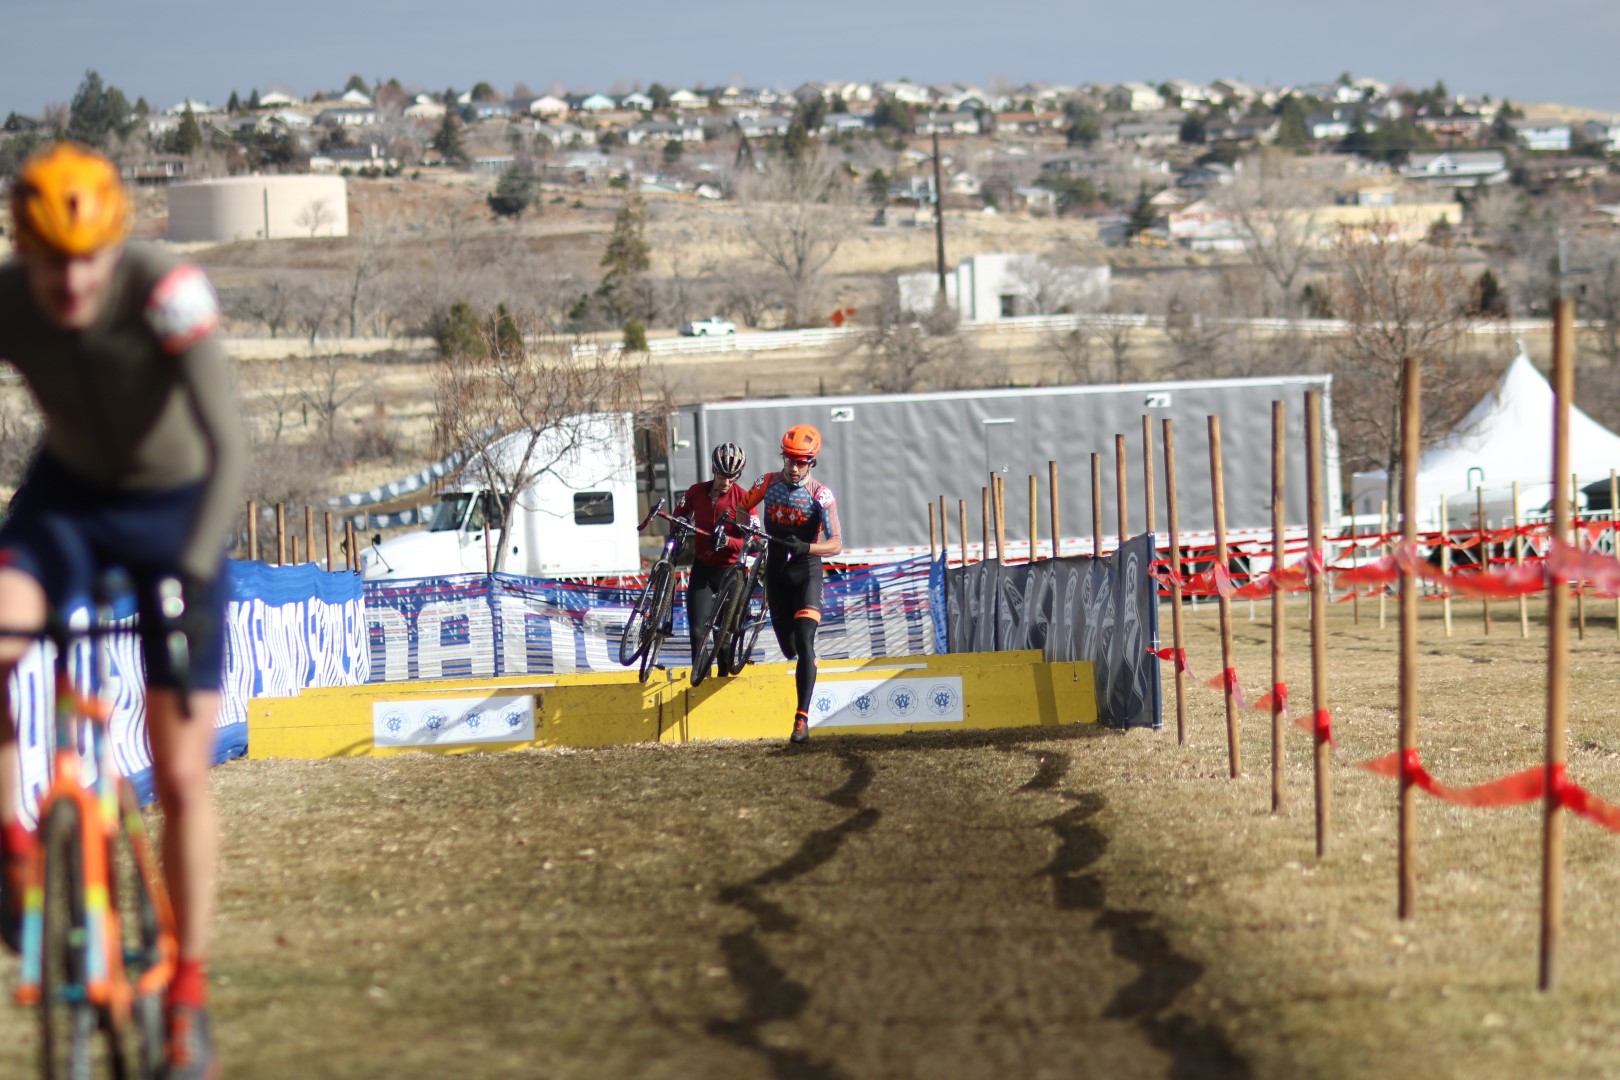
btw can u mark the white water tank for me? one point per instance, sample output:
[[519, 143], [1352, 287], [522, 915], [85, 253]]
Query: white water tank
[[258, 208]]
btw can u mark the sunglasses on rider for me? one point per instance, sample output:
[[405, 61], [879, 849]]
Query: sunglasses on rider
[[789, 459]]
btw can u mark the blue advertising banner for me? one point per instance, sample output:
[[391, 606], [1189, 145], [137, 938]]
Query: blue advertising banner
[[479, 626], [286, 628]]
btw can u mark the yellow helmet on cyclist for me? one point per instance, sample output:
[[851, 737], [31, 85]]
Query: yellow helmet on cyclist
[[69, 199]]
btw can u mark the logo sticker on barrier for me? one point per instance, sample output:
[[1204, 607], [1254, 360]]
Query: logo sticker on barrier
[[454, 721], [875, 702]]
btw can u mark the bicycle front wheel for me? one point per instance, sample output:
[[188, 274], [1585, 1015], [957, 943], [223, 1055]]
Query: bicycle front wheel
[[713, 634], [147, 933], [633, 642], [662, 584], [69, 1022], [726, 613]]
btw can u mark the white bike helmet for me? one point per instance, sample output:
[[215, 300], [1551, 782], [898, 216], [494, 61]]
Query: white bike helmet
[[728, 459]]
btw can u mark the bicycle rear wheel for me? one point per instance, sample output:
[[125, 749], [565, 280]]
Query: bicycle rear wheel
[[662, 584], [714, 631], [726, 612], [77, 1040], [747, 624]]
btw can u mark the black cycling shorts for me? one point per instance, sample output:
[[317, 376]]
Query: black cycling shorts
[[66, 532]]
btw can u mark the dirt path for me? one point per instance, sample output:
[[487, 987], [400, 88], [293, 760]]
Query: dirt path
[[865, 907]]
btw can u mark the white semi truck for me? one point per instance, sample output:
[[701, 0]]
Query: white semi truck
[[577, 518]]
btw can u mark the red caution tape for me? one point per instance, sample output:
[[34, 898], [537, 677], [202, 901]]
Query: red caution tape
[[1566, 563], [1378, 572], [1179, 656], [1511, 582], [1320, 724], [1521, 787], [1577, 800], [1275, 699], [1227, 682]]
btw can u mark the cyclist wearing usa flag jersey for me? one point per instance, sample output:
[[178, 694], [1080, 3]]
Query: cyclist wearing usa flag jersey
[[141, 467], [801, 515]]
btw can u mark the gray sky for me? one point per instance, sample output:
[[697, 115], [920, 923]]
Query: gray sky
[[165, 50]]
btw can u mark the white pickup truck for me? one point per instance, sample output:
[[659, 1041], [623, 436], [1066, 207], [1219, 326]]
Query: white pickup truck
[[713, 325]]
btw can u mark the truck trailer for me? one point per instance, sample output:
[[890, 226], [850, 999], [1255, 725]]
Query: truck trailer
[[888, 457]]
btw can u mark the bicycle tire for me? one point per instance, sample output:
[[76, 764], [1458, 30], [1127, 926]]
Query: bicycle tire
[[712, 639], [142, 933], [633, 642], [662, 582], [726, 612], [69, 1023], [748, 625]]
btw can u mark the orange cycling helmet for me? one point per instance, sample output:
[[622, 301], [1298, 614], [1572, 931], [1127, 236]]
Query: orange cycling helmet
[[69, 199], [801, 441]]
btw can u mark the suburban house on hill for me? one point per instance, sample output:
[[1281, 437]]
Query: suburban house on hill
[[1457, 168]]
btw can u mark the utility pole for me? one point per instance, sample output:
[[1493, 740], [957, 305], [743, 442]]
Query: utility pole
[[939, 216]]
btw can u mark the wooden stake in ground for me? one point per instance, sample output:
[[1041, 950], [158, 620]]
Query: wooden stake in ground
[[1234, 750], [1119, 487], [1096, 506], [1552, 848], [252, 529], [1445, 564], [309, 533], [1147, 472], [1614, 533], [1518, 561], [1034, 514], [1355, 564], [998, 503], [1175, 581], [1278, 613], [281, 534], [1052, 498], [292, 541], [330, 565], [1484, 552], [1319, 601], [944, 532], [961, 522], [1579, 540], [984, 496], [351, 546], [1411, 448], [1383, 549]]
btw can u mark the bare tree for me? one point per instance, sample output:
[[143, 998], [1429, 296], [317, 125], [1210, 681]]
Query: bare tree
[[1195, 321], [544, 394], [1276, 209], [270, 302], [1401, 301], [325, 385], [316, 215], [799, 212], [907, 351], [372, 259], [1596, 259]]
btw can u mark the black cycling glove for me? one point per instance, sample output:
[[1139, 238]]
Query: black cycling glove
[[797, 546]]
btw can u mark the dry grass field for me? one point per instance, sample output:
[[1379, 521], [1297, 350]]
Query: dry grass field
[[1058, 904]]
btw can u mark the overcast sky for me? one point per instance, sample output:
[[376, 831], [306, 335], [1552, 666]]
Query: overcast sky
[[165, 50]]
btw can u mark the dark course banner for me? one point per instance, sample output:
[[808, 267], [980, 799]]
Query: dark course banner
[[1105, 611]]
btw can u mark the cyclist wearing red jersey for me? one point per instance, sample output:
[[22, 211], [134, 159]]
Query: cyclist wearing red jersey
[[140, 467], [802, 517], [705, 503]]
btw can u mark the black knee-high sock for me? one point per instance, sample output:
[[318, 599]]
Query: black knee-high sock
[[804, 676]]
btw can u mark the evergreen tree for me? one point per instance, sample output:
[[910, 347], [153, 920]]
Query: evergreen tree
[[460, 335], [659, 94], [356, 83], [98, 111], [877, 187], [1292, 133], [188, 137], [796, 141], [514, 192], [627, 258], [233, 104], [253, 101], [447, 141]]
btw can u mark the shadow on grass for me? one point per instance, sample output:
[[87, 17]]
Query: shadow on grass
[[1196, 1049], [768, 993]]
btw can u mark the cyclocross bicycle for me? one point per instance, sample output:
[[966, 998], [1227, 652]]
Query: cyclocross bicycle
[[740, 612], [98, 935], [650, 620]]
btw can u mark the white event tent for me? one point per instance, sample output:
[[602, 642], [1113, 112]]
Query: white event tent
[[1507, 437]]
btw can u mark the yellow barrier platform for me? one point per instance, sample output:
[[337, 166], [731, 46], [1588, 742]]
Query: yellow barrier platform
[[950, 692]]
